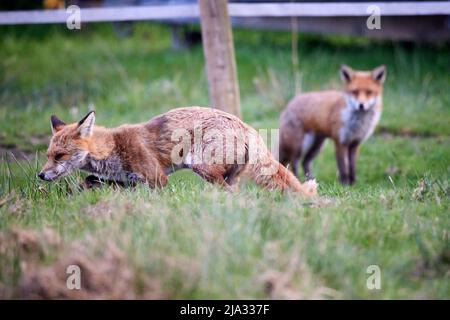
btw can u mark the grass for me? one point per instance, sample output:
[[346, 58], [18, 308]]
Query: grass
[[191, 239]]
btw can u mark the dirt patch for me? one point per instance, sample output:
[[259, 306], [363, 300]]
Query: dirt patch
[[29, 244], [38, 140], [12, 152], [45, 265], [105, 276], [406, 133], [20, 248]]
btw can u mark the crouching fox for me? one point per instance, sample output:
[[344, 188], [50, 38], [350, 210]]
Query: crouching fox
[[216, 145], [348, 117]]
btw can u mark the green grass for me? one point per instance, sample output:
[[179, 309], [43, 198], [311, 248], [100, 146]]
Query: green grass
[[191, 239]]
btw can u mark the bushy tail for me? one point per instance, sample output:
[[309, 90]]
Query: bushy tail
[[273, 175], [308, 188]]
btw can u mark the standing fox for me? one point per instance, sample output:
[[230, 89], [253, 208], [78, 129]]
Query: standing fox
[[347, 117], [180, 138]]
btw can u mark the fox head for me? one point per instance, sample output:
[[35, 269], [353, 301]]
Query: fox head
[[363, 88], [68, 147]]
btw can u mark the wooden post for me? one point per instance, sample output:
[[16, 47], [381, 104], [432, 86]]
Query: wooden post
[[219, 54]]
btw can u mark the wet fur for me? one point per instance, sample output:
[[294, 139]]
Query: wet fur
[[142, 152]]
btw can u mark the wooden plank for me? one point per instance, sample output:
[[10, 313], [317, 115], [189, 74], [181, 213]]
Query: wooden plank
[[336, 9], [135, 13], [130, 13], [219, 54]]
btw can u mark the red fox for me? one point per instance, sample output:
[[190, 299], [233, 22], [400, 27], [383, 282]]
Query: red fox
[[347, 117], [192, 137]]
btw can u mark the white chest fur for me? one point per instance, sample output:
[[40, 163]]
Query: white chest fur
[[358, 125]]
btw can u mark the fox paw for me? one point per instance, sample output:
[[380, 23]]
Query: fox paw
[[91, 182], [134, 178]]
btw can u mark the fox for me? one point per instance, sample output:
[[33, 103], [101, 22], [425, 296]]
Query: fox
[[347, 117], [148, 152]]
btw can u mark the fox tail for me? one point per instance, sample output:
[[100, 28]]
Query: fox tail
[[273, 175]]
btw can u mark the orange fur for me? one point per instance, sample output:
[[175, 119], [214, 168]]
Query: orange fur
[[144, 151], [347, 117]]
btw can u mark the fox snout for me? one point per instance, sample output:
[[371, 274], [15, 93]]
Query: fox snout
[[361, 104], [48, 175], [43, 176], [366, 105], [55, 169]]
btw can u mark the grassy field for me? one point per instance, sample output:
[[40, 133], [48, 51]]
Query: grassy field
[[193, 240]]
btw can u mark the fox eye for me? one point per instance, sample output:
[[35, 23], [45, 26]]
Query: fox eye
[[369, 92], [59, 156], [355, 92]]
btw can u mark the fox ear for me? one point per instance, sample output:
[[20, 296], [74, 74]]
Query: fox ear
[[56, 124], [379, 74], [346, 73], [86, 125]]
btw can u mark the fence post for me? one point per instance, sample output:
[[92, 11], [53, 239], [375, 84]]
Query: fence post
[[219, 54]]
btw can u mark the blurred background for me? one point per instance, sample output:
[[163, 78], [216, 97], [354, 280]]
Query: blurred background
[[403, 22], [132, 70], [191, 240]]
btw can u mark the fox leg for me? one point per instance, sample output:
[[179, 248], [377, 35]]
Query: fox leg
[[353, 151], [93, 181], [233, 174], [311, 154], [150, 173], [213, 174], [291, 142], [342, 163], [284, 154], [292, 155], [295, 158], [155, 178]]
